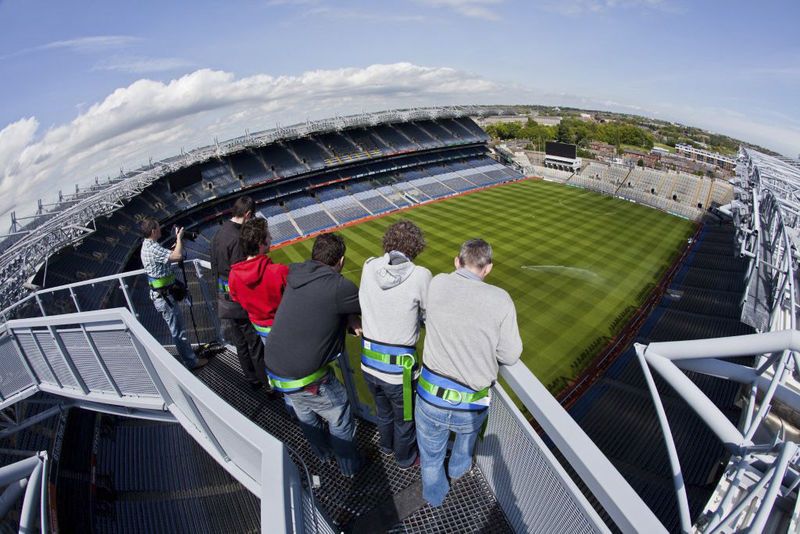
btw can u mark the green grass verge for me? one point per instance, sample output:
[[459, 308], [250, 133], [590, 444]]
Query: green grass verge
[[575, 262]]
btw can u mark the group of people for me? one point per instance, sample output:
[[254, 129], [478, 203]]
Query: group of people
[[300, 314]]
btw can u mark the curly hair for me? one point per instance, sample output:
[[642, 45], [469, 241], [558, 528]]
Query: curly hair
[[406, 237], [253, 233]]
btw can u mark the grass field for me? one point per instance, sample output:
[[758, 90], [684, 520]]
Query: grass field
[[572, 260]]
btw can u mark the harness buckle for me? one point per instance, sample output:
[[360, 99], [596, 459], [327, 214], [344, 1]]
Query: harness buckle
[[407, 360], [446, 396]]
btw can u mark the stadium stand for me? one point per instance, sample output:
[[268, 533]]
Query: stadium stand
[[701, 302]]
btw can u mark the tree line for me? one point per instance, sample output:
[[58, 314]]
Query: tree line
[[574, 131]]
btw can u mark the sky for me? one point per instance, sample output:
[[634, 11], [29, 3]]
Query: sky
[[92, 87]]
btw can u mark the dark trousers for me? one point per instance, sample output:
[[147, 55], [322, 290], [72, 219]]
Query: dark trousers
[[396, 435], [249, 349]]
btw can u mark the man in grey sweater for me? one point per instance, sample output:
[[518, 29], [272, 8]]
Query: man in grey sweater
[[471, 328], [392, 294]]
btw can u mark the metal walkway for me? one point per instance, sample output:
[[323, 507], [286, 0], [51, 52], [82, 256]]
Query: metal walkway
[[381, 497]]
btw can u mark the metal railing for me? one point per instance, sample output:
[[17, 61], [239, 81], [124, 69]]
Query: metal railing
[[105, 359], [28, 477]]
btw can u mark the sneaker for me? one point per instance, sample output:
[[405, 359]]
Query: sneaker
[[386, 452], [412, 465], [200, 363]]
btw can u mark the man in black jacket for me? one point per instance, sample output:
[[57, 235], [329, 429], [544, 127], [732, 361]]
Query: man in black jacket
[[225, 251], [307, 336]]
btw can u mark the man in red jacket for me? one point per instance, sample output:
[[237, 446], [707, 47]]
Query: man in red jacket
[[256, 283]]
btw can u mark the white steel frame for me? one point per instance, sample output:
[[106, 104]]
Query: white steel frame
[[764, 464]]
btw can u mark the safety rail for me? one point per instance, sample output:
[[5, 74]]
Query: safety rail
[[26, 477], [106, 359]]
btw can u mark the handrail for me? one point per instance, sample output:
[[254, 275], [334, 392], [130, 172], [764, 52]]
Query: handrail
[[94, 281], [605, 482], [256, 459]]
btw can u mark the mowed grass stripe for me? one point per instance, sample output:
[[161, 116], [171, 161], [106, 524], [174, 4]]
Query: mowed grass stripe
[[571, 259]]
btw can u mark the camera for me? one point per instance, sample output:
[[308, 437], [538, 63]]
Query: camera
[[189, 235]]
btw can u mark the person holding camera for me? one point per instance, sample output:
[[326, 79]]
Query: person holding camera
[[165, 289]]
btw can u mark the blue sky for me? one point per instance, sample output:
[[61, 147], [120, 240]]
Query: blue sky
[[89, 87]]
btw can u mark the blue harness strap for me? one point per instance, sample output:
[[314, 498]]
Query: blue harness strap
[[446, 393], [385, 357]]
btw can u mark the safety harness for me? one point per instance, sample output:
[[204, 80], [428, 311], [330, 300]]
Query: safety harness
[[289, 385], [161, 283], [222, 285], [395, 360], [446, 393], [262, 331]]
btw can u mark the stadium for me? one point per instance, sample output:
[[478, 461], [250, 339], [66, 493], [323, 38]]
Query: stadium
[[616, 273]]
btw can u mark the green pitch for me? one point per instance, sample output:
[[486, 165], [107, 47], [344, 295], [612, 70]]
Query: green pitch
[[575, 262]]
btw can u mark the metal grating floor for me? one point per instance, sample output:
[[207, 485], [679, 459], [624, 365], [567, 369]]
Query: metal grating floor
[[470, 506]]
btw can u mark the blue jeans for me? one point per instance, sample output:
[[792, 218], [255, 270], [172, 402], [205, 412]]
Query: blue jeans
[[171, 312], [329, 404], [434, 425], [396, 435]]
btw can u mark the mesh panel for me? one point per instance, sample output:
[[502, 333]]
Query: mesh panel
[[53, 356], [245, 454], [81, 353], [13, 375], [343, 500], [122, 361], [313, 521], [35, 358], [525, 483]]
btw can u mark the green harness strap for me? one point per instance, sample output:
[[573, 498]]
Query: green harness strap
[[159, 283], [406, 361], [452, 396], [457, 397], [301, 382]]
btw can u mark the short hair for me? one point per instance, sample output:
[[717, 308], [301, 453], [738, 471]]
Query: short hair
[[475, 253], [328, 249], [148, 224], [254, 233], [243, 205], [406, 237]]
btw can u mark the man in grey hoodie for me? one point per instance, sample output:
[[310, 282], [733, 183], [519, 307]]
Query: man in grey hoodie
[[392, 294]]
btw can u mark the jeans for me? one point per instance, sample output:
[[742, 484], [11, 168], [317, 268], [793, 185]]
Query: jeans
[[396, 435], [171, 312], [434, 425], [329, 404], [249, 348]]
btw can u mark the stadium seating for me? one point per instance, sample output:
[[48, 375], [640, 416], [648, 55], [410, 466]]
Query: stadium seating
[[248, 169], [702, 301], [312, 218], [345, 209], [374, 202], [279, 161]]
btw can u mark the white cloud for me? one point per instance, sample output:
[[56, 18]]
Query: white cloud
[[151, 118], [479, 9], [141, 65], [91, 43], [580, 7], [94, 43], [363, 16]]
